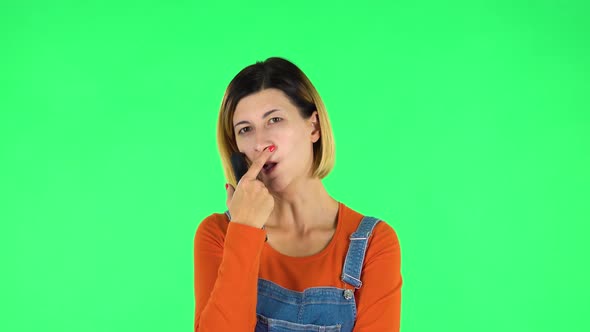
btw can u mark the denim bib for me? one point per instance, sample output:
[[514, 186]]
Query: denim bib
[[329, 309]]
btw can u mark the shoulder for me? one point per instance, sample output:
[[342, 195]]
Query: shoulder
[[383, 235], [212, 228]]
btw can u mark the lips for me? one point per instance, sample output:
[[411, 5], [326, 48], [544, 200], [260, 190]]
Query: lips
[[268, 167]]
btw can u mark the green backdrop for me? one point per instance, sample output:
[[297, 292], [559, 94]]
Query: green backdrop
[[463, 124]]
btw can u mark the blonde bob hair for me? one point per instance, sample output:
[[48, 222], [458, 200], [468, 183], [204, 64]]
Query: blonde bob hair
[[277, 73]]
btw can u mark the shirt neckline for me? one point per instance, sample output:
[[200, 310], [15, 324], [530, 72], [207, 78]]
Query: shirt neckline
[[322, 252]]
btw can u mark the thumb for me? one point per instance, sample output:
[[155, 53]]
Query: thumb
[[229, 189]]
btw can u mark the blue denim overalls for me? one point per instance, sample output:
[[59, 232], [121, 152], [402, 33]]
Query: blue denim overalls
[[317, 308]]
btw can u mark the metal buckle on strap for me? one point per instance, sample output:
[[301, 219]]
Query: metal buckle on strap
[[352, 236]]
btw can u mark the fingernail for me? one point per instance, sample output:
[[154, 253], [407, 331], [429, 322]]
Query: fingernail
[[272, 148], [226, 185]]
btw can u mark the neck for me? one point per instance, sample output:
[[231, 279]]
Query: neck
[[303, 209]]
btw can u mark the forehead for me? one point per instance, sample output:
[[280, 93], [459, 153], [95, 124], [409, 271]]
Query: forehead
[[261, 102]]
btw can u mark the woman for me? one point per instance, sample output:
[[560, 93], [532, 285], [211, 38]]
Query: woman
[[286, 256]]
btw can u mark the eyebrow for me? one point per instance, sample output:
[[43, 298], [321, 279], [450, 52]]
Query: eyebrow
[[263, 116]]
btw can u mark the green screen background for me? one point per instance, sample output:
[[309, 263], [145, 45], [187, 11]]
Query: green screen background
[[463, 124]]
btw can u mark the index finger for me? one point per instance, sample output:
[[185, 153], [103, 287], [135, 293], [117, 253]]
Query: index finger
[[257, 164]]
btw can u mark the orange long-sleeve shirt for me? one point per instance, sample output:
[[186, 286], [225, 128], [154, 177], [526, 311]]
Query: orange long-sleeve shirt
[[230, 257]]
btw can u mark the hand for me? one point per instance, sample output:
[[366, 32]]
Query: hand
[[250, 203]]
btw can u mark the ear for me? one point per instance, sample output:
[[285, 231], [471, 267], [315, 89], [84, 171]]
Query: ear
[[315, 125]]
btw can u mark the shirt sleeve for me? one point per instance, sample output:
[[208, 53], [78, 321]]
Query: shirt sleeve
[[379, 298], [226, 275]]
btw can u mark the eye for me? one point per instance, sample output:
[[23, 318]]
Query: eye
[[241, 130]]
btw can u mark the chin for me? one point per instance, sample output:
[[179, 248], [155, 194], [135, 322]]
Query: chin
[[275, 185]]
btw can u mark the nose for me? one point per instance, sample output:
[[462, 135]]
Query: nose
[[261, 142], [260, 147]]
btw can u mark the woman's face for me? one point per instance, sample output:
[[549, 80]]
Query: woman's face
[[269, 118]]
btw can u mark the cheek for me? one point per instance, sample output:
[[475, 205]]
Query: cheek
[[295, 146], [245, 146], [240, 144]]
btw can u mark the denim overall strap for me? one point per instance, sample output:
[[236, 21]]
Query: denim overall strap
[[351, 271]]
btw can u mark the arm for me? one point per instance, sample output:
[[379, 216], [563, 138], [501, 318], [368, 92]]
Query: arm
[[379, 298], [226, 276]]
